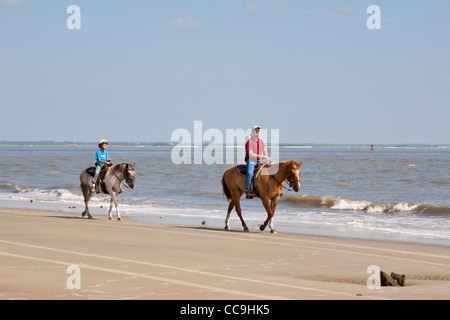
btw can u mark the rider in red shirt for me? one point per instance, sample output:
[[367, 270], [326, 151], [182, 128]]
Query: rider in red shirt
[[255, 151]]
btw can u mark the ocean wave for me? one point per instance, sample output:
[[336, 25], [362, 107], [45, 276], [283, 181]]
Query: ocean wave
[[13, 191], [342, 203], [13, 187]]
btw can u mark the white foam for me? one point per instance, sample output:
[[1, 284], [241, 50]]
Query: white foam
[[25, 194], [375, 209], [404, 207], [346, 204]]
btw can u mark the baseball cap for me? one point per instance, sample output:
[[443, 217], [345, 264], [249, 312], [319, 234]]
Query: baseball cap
[[103, 141]]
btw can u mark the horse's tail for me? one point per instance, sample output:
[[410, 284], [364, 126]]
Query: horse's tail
[[226, 191]]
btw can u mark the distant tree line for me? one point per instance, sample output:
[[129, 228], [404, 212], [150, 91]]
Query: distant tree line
[[77, 143]]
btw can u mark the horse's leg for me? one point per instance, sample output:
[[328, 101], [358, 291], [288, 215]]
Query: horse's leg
[[227, 220], [268, 208], [89, 197], [87, 193], [238, 210], [273, 205], [86, 209], [110, 209], [114, 200]]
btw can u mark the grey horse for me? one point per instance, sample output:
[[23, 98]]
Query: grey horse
[[113, 183]]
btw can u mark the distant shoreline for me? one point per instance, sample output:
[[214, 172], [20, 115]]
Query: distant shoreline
[[8, 143]]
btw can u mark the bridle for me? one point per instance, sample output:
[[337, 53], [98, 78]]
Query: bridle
[[288, 179], [291, 181], [127, 177]]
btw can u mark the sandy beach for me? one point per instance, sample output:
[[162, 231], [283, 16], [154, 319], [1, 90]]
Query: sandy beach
[[137, 260]]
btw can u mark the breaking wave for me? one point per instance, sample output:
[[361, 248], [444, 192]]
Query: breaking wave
[[21, 193], [341, 203]]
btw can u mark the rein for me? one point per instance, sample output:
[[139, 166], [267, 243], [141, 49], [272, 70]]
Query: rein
[[127, 178], [290, 184], [288, 181]]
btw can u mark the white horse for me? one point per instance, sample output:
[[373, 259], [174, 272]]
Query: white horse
[[113, 183]]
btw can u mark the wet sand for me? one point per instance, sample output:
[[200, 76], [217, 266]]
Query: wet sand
[[138, 260]]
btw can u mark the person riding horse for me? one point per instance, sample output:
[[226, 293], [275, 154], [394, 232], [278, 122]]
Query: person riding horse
[[102, 159], [255, 151]]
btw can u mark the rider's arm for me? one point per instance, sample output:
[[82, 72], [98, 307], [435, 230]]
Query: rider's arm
[[253, 155]]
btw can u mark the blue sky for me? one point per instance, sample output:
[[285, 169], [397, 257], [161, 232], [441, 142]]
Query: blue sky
[[139, 69]]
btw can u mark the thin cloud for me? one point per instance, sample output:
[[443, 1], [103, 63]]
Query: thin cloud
[[342, 10], [186, 22], [253, 6], [12, 3]]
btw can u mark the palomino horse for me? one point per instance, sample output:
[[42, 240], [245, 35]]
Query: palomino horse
[[113, 183], [269, 186]]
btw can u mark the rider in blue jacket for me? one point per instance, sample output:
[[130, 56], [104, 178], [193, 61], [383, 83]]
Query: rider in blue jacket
[[101, 158]]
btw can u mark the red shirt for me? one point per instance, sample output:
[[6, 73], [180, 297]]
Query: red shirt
[[256, 146]]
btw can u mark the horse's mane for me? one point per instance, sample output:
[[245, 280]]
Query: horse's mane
[[117, 167], [278, 163], [120, 164], [269, 165]]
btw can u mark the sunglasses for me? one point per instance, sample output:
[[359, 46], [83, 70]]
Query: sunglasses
[[257, 130]]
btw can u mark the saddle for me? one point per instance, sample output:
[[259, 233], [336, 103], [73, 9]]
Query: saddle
[[100, 183], [242, 169]]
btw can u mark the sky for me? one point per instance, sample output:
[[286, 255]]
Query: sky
[[137, 70]]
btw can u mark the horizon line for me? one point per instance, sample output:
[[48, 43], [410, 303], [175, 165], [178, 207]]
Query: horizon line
[[165, 143]]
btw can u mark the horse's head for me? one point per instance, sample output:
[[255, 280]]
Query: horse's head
[[130, 175], [293, 175]]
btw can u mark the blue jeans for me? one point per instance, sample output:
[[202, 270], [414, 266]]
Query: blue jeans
[[251, 164], [98, 168]]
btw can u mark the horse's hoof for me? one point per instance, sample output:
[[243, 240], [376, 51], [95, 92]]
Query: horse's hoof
[[273, 231], [262, 227], [119, 219], [109, 218], [246, 229], [227, 228], [83, 214], [90, 217]]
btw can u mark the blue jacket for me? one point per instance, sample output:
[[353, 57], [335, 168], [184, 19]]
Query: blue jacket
[[101, 155]]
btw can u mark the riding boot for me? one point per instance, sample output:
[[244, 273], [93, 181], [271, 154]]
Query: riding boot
[[250, 194], [97, 187]]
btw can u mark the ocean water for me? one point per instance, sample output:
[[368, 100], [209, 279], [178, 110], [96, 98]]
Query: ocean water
[[392, 193]]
